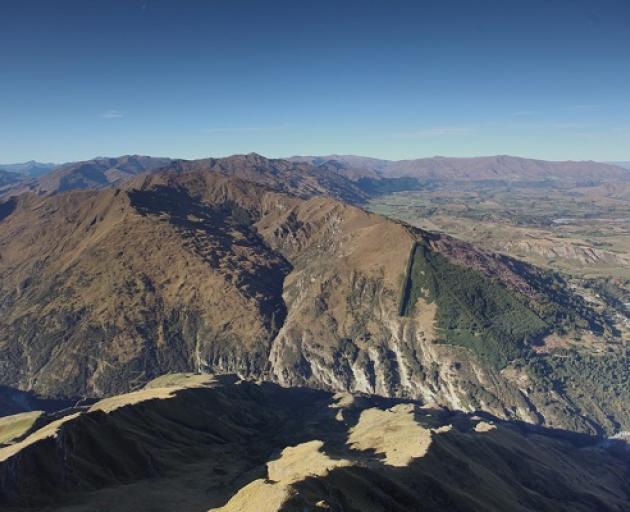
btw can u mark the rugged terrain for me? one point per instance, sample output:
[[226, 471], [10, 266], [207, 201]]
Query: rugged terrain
[[199, 443], [196, 269], [568, 216], [295, 177]]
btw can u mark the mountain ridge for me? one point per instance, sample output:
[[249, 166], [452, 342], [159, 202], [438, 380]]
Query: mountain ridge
[[268, 285], [475, 168], [204, 442], [348, 177]]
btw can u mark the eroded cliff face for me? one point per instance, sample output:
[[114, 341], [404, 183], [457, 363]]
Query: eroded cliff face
[[102, 291], [344, 330]]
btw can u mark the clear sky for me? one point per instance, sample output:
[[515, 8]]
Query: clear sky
[[394, 79]]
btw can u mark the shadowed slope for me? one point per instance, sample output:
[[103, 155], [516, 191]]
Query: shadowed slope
[[221, 445], [90, 305]]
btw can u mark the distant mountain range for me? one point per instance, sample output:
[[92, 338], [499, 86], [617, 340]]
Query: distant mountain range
[[501, 167], [347, 177], [9, 178], [97, 173]]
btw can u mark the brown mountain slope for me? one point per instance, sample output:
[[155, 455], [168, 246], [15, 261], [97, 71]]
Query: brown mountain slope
[[297, 178], [97, 173], [101, 291], [500, 167], [199, 443], [294, 177], [86, 265], [111, 308]]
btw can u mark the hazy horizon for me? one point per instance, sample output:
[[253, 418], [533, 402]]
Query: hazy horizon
[[621, 163]]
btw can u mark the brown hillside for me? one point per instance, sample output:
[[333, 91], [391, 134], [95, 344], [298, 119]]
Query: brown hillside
[[101, 291]]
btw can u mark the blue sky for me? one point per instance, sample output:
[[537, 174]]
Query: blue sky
[[393, 79]]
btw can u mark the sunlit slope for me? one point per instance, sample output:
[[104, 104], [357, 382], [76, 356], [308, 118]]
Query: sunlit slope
[[101, 291]]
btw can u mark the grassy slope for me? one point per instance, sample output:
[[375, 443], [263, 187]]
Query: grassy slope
[[13, 427]]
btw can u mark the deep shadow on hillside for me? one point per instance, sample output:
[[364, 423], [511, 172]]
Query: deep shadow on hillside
[[513, 467], [216, 233], [14, 401], [202, 447]]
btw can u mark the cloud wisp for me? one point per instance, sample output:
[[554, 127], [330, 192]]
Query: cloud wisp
[[112, 114]]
